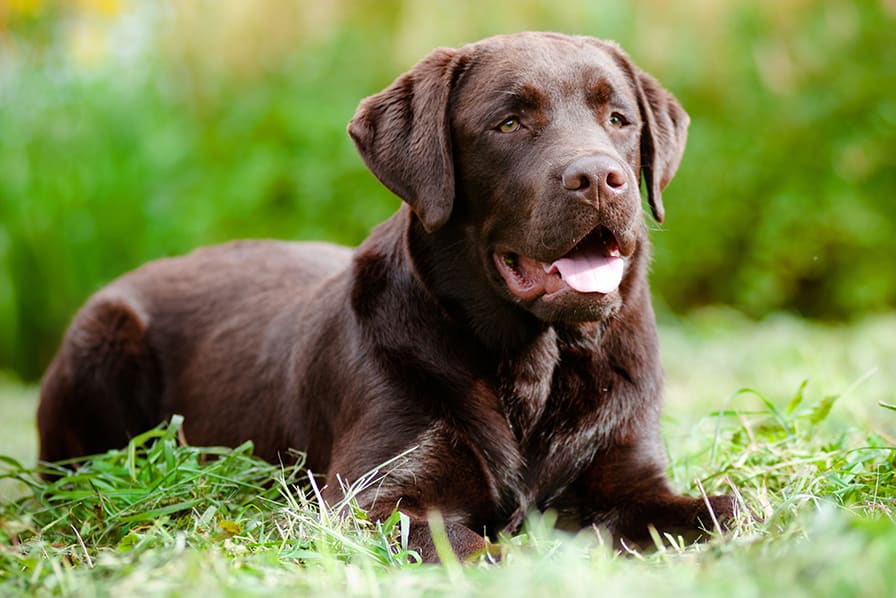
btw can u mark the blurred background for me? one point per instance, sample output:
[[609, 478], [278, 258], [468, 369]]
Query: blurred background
[[131, 130]]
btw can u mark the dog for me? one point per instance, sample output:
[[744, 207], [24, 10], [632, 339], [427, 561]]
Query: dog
[[496, 331]]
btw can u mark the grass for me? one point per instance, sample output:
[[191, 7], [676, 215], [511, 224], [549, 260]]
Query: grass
[[816, 459]]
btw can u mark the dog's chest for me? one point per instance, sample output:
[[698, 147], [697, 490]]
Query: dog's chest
[[552, 405], [524, 385]]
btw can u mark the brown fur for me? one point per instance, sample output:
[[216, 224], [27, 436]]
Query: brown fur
[[513, 402]]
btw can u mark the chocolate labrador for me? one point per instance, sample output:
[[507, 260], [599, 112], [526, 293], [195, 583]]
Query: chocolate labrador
[[497, 331]]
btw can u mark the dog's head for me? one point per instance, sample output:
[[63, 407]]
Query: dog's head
[[534, 145]]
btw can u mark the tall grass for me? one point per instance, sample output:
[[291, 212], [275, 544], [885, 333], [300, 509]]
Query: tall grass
[[163, 518]]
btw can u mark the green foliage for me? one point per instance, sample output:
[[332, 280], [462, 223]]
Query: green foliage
[[99, 174], [785, 196], [782, 202]]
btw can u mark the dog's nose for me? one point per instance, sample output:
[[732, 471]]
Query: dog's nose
[[595, 177]]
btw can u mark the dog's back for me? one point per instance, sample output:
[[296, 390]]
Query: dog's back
[[141, 347]]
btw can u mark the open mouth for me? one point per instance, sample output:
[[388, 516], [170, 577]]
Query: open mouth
[[594, 265]]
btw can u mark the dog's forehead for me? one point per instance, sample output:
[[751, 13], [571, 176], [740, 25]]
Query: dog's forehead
[[553, 64]]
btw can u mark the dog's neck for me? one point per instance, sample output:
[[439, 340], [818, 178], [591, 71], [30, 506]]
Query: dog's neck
[[445, 265], [439, 270]]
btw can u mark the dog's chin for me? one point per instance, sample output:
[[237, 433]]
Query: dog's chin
[[573, 307]]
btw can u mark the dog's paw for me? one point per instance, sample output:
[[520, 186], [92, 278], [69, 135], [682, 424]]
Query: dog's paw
[[718, 513]]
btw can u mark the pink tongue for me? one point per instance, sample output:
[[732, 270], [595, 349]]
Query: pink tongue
[[590, 273]]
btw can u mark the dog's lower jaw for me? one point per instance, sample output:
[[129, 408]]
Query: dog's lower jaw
[[502, 322]]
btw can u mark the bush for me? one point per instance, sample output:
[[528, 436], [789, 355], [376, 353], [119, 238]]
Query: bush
[[214, 131]]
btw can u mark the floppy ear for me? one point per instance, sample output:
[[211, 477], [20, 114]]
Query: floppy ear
[[402, 133], [663, 138]]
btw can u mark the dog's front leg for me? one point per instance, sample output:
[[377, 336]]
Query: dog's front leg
[[626, 491]]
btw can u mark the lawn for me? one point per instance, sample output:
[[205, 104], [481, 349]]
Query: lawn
[[815, 460]]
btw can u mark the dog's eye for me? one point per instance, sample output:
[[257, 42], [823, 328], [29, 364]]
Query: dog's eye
[[617, 120], [510, 125]]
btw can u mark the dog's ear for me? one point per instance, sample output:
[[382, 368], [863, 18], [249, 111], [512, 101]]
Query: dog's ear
[[402, 133], [663, 137]]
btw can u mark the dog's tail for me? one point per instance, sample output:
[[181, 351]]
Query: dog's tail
[[104, 386]]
